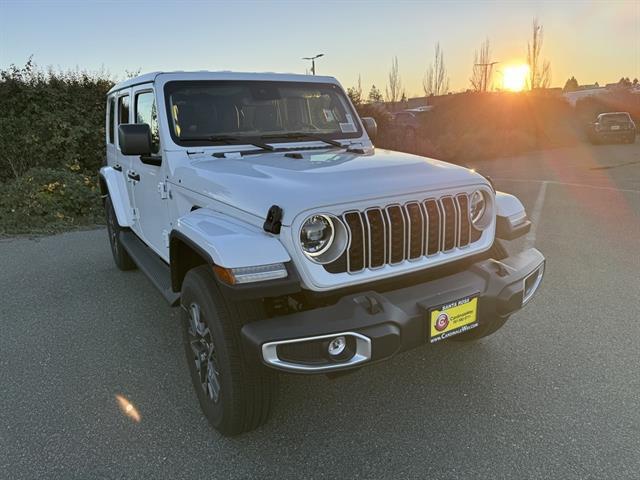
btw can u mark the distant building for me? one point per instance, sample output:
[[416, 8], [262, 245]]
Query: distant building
[[591, 90]]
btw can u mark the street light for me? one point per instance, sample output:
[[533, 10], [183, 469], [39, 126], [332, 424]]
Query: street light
[[313, 62]]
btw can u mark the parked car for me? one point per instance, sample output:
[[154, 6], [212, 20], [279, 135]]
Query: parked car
[[613, 126], [258, 205], [409, 122]]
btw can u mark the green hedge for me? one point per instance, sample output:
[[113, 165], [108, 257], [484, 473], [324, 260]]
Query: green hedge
[[51, 119], [46, 200]]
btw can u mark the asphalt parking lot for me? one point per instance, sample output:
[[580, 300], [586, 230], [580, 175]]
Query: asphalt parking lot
[[554, 394]]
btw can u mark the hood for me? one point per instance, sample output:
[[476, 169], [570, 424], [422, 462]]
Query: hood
[[320, 179]]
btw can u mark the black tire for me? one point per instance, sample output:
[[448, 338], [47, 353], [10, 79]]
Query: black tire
[[245, 391], [120, 256]]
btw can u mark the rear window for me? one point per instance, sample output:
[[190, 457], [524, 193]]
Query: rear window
[[111, 119], [615, 118], [123, 109]]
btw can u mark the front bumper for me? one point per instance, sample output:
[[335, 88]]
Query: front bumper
[[379, 325]]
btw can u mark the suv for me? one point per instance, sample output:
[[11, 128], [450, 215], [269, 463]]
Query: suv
[[613, 126], [258, 204]]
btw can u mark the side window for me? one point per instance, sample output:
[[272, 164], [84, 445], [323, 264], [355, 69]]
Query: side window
[[123, 109], [111, 119], [145, 112]]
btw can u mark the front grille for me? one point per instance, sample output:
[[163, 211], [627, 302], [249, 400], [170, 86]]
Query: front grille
[[395, 233]]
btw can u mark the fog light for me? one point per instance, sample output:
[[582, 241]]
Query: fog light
[[531, 284], [337, 346]]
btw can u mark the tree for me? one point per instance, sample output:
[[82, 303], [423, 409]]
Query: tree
[[435, 81], [375, 95], [482, 68], [539, 70], [625, 82], [393, 90], [571, 85], [355, 93]]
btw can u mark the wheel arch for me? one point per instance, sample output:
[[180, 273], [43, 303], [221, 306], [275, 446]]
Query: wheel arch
[[204, 236], [184, 254], [113, 185]]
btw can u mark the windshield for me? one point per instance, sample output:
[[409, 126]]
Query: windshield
[[228, 112]]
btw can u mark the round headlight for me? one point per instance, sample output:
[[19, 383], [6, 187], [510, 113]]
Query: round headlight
[[323, 238], [477, 207], [317, 235]]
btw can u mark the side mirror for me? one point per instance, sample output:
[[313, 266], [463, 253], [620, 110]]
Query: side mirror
[[371, 127], [135, 139]]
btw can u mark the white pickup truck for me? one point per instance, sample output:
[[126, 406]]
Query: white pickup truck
[[259, 204]]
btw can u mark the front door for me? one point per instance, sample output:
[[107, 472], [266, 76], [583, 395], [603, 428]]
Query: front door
[[122, 162], [149, 199]]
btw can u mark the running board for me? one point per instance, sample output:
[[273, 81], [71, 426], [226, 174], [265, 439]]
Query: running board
[[151, 265]]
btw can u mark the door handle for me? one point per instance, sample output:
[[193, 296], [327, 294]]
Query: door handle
[[134, 176]]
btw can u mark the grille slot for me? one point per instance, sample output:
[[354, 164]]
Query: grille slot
[[392, 234], [377, 234]]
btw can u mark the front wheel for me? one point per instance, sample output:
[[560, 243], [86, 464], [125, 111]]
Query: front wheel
[[236, 396]]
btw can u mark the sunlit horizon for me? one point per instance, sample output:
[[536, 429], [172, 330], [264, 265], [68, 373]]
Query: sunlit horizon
[[593, 41], [514, 77]]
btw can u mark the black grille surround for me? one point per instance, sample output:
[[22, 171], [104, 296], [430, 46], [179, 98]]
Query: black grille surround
[[396, 233]]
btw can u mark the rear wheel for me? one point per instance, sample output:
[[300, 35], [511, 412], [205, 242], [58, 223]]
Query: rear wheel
[[236, 396], [120, 256]]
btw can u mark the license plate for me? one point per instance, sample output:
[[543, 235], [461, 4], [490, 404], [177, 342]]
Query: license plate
[[453, 318], [615, 127]]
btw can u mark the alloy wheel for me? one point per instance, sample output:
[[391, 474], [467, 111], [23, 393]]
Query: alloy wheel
[[204, 354]]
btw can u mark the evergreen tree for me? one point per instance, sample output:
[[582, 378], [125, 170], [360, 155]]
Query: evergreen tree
[[375, 95], [571, 85]]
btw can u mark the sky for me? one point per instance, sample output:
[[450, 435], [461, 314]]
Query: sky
[[594, 41]]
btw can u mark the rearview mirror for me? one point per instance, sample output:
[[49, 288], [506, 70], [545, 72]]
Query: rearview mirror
[[371, 127], [134, 139]]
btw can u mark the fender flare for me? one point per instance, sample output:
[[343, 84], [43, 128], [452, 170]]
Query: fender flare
[[511, 217], [220, 240], [113, 184], [508, 205]]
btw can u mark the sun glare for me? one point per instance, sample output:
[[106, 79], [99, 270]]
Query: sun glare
[[515, 77]]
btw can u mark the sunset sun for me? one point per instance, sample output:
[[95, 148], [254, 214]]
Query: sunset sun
[[515, 77]]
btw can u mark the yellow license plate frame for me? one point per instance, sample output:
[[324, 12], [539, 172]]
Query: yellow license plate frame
[[453, 318]]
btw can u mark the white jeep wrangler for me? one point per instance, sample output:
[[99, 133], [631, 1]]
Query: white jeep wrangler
[[259, 205]]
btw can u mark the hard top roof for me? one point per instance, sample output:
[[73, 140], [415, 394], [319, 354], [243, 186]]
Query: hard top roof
[[222, 75]]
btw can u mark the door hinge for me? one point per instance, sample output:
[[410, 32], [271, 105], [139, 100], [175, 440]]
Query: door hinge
[[134, 214], [165, 236], [163, 190]]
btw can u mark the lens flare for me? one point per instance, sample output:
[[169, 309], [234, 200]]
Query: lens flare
[[128, 409], [514, 77]]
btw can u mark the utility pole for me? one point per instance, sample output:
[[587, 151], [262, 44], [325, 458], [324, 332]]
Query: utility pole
[[486, 74], [313, 62]]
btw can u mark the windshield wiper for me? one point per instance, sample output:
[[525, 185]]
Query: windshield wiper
[[228, 140], [303, 135]]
